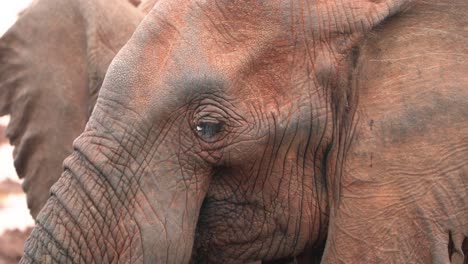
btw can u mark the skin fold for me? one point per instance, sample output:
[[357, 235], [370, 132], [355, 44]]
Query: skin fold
[[242, 131]]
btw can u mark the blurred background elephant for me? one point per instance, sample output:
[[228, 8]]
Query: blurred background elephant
[[239, 131], [53, 61]]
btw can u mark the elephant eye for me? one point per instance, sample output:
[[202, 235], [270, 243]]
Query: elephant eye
[[208, 130]]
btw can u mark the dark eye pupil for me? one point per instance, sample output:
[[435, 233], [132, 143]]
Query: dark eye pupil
[[209, 129]]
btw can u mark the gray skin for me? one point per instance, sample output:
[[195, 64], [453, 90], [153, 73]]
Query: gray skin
[[53, 61], [236, 131]]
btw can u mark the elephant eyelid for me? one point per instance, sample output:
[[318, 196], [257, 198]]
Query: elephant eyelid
[[211, 123]]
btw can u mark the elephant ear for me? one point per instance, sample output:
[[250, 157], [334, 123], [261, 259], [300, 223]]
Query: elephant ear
[[345, 22], [52, 63], [338, 30], [410, 79], [338, 27]]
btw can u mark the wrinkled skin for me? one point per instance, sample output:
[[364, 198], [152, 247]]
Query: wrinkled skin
[[236, 131], [51, 104]]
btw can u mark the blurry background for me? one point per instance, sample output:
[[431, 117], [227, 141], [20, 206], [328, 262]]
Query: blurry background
[[15, 220]]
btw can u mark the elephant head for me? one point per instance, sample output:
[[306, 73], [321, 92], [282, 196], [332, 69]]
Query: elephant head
[[231, 132]]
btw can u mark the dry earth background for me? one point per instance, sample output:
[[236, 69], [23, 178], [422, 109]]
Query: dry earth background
[[15, 221]]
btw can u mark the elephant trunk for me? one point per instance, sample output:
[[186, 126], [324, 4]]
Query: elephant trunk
[[100, 212]]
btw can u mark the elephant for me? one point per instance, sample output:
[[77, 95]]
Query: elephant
[[50, 104], [242, 131], [3, 140]]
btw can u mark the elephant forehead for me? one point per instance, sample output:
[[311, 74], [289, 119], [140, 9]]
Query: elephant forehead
[[208, 35], [253, 49]]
